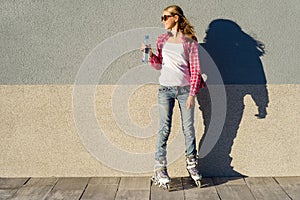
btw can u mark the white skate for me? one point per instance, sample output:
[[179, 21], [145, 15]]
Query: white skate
[[161, 178], [191, 164]]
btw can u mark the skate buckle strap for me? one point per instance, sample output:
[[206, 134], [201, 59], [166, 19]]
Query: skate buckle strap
[[190, 166], [191, 162], [164, 173], [160, 169]]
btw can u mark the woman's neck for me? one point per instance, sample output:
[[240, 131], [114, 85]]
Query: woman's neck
[[175, 37], [176, 33]]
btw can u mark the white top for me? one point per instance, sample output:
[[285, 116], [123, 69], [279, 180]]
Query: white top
[[174, 70]]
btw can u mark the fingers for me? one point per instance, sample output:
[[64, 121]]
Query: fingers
[[143, 47], [190, 102], [188, 106]]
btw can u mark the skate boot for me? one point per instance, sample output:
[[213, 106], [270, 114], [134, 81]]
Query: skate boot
[[191, 166], [161, 177]]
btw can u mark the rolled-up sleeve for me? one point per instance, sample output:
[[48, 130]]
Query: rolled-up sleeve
[[156, 58], [196, 81]]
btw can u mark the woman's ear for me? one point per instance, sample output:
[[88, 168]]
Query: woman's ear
[[176, 18]]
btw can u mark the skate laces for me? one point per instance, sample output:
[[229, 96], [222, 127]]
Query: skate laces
[[162, 173], [193, 171], [191, 164]]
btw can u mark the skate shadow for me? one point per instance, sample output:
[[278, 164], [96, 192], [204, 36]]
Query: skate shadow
[[237, 57], [176, 184], [181, 183], [187, 183]]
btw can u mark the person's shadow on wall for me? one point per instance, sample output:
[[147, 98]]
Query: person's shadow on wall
[[237, 57]]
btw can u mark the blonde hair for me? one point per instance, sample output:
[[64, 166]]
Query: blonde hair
[[183, 24]]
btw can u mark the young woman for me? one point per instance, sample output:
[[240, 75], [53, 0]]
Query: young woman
[[177, 58]]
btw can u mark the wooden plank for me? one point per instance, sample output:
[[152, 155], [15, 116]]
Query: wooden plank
[[9, 186], [232, 188], [105, 180], [68, 188], [291, 180], [176, 191], [7, 193], [291, 186], [12, 183], [35, 188], [132, 183], [229, 181], [101, 188], [134, 188], [265, 188], [133, 194], [207, 191]]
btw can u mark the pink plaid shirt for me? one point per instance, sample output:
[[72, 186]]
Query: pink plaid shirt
[[191, 51]]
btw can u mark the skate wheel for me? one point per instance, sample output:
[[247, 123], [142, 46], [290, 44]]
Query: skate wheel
[[154, 181], [198, 183], [166, 187]]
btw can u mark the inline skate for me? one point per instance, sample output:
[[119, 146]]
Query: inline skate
[[191, 166], [161, 177]]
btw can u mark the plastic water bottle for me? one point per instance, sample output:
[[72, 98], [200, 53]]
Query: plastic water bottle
[[146, 51]]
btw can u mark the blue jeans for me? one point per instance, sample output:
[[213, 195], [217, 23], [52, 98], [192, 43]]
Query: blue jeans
[[166, 101]]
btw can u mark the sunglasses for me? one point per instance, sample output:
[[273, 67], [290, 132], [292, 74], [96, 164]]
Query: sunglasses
[[165, 17]]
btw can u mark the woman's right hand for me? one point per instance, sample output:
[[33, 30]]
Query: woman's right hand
[[143, 47]]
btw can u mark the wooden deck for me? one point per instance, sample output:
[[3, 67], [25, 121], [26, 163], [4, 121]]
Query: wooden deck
[[140, 188]]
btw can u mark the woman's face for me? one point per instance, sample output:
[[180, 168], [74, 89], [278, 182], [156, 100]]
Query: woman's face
[[169, 21]]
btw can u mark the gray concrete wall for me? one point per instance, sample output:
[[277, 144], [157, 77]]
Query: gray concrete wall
[[76, 101]]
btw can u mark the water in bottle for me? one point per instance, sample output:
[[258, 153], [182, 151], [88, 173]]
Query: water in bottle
[[146, 51]]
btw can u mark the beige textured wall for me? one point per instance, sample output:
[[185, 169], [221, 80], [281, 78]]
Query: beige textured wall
[[39, 135]]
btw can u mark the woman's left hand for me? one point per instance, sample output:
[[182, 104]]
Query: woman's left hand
[[190, 102]]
